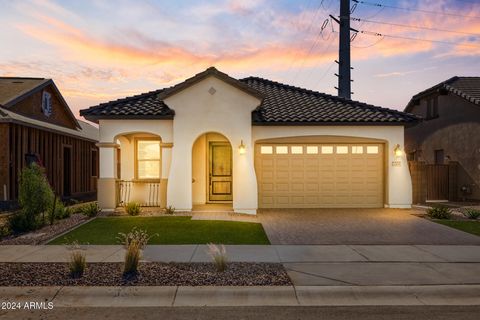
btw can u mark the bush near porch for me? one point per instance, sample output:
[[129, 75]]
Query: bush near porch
[[171, 230]]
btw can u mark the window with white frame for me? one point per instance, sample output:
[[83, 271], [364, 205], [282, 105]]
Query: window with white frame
[[148, 157]]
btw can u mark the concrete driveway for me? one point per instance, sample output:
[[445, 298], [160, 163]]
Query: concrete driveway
[[357, 226]]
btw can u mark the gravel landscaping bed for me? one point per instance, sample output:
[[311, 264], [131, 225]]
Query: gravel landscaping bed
[[150, 274], [47, 232]]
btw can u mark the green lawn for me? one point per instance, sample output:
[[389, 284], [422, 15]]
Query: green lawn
[[170, 230], [472, 227]]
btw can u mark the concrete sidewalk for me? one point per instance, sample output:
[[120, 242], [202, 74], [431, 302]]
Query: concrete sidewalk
[[243, 296], [307, 265], [254, 253]]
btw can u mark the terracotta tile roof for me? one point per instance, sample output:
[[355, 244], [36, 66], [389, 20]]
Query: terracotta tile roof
[[281, 104], [146, 105], [284, 104], [466, 87]]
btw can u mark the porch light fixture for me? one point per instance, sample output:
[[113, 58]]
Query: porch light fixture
[[398, 151], [241, 148]]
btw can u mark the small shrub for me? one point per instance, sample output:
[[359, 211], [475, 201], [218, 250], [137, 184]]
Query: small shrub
[[78, 262], [132, 258], [439, 212], [17, 222], [60, 212], [169, 210], [471, 213], [139, 236], [34, 196], [90, 210], [133, 208], [218, 255], [5, 230], [67, 213]]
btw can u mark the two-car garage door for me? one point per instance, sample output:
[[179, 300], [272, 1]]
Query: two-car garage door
[[295, 175]]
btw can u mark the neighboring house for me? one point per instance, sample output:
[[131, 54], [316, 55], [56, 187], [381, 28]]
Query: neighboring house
[[252, 143], [450, 130], [37, 125]]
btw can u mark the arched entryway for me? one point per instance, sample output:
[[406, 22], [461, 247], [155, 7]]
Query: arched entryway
[[212, 171]]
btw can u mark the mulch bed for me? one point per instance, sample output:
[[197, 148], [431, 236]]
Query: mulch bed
[[45, 233], [150, 274]]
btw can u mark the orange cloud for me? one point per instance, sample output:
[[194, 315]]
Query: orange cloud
[[79, 45]]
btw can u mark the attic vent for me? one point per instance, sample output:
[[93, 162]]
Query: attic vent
[[46, 104], [17, 81], [212, 91]]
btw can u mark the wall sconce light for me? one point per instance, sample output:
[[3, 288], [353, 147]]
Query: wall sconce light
[[242, 148], [398, 151]]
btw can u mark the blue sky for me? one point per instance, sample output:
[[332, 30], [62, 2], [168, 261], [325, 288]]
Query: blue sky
[[102, 50]]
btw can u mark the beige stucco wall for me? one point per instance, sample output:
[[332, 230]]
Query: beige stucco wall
[[228, 112], [398, 193], [199, 170]]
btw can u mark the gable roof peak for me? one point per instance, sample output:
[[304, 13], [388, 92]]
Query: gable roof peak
[[467, 88], [211, 71]]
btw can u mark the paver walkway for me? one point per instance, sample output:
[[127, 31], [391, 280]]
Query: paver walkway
[[357, 226], [307, 265]]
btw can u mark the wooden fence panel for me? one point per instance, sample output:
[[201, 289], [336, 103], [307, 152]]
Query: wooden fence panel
[[433, 181], [419, 181], [437, 182]]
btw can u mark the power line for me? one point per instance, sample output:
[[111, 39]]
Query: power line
[[377, 34], [327, 71], [414, 27], [468, 1], [314, 44], [331, 40], [308, 30], [445, 13], [370, 45]]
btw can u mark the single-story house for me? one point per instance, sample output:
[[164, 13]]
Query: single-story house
[[251, 143], [450, 132], [37, 125]]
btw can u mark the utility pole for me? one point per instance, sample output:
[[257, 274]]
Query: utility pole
[[344, 77]]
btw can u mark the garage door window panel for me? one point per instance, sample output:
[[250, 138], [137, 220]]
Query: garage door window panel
[[266, 150], [312, 150], [372, 149], [297, 150], [327, 149], [281, 150], [342, 150]]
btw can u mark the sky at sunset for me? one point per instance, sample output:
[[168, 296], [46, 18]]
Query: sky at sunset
[[101, 50]]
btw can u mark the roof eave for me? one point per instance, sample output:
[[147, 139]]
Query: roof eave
[[96, 118], [334, 123]]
